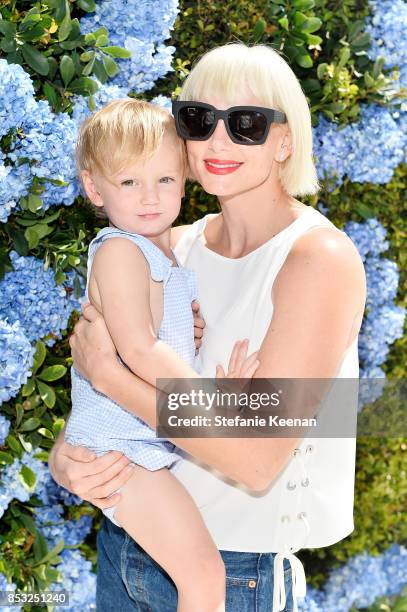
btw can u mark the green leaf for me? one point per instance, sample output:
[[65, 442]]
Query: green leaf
[[378, 66], [87, 5], [14, 444], [87, 56], [321, 70], [57, 426], [20, 414], [110, 66], [34, 234], [364, 211], [34, 202], [117, 52], [67, 69], [369, 80], [28, 477], [284, 23], [28, 388], [52, 553], [40, 546], [47, 394], [46, 433], [87, 70], [336, 107], [36, 60], [259, 29], [305, 61], [8, 28], [27, 446], [60, 9], [360, 41], [42, 455], [90, 38], [6, 458], [30, 424], [303, 5], [65, 26], [102, 40], [51, 94], [312, 24], [28, 524], [84, 86], [39, 356], [53, 373], [344, 57]]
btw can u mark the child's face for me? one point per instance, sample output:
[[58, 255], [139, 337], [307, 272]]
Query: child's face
[[145, 197]]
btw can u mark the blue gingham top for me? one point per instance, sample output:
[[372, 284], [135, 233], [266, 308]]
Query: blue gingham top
[[97, 421]]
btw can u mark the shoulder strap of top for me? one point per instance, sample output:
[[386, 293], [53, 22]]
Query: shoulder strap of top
[[160, 265], [187, 239]]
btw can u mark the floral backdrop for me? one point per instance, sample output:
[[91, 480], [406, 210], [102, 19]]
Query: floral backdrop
[[59, 61]]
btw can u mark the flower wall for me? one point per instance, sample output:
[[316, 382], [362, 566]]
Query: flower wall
[[77, 56]]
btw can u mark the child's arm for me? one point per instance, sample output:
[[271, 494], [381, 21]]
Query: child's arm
[[122, 276]]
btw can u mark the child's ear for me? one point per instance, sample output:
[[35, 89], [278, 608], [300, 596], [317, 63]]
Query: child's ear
[[91, 189]]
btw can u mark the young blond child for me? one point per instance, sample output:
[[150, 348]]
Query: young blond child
[[132, 163]]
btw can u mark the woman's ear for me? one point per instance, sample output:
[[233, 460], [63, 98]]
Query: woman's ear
[[286, 148], [91, 188]]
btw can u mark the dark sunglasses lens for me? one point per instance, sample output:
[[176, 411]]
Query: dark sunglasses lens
[[195, 121], [247, 126]]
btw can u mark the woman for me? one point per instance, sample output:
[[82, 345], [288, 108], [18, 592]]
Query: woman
[[271, 269]]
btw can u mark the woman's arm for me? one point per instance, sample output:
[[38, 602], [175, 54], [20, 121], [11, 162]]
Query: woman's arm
[[318, 301]]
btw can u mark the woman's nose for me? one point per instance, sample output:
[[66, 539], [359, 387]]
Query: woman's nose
[[220, 138]]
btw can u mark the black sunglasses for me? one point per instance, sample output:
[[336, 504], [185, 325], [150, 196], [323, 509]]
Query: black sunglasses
[[248, 125]]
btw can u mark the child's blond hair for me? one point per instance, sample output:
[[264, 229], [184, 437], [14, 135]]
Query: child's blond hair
[[121, 132]]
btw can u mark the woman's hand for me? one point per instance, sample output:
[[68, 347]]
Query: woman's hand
[[91, 345], [92, 478]]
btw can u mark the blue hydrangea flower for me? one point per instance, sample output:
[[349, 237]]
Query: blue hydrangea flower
[[4, 429], [14, 184], [164, 102], [382, 278], [387, 26], [371, 385], [16, 359], [8, 586], [106, 93], [52, 494], [362, 580], [48, 147], [16, 96], [29, 295], [369, 237], [331, 148], [381, 327], [12, 485], [366, 151], [78, 579], [54, 527], [142, 27]]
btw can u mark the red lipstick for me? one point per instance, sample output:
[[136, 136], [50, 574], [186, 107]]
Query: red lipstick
[[221, 166]]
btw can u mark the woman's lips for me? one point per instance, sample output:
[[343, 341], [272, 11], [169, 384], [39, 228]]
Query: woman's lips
[[221, 166]]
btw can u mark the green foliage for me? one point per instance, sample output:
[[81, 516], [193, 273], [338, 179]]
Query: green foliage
[[45, 39]]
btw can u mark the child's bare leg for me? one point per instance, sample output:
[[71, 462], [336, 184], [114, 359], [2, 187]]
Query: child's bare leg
[[161, 516]]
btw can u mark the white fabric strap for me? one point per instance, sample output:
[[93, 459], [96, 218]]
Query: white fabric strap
[[299, 583]]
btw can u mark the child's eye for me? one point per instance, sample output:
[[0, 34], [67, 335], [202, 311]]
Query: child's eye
[[167, 179], [128, 183]]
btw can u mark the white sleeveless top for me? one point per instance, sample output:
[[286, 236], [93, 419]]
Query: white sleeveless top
[[235, 300]]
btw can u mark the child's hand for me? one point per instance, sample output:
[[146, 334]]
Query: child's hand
[[199, 324], [240, 365]]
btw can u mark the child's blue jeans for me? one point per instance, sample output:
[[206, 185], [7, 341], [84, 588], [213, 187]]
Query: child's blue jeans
[[128, 579]]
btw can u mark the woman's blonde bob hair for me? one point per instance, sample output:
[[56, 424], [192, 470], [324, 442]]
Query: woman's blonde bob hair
[[234, 69]]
